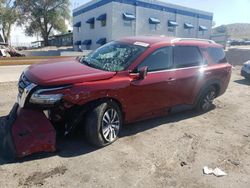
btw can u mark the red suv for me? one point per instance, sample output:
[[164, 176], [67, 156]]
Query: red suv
[[124, 81]]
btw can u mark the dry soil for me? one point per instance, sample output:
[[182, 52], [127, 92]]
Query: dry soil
[[164, 152]]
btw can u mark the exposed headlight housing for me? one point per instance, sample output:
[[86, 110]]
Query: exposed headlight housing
[[45, 99]]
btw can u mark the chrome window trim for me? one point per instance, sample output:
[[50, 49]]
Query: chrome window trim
[[170, 70], [175, 69]]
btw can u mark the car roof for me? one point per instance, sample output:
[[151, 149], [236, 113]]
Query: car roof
[[150, 41]]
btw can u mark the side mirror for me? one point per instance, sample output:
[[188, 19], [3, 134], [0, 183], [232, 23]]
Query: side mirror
[[143, 72]]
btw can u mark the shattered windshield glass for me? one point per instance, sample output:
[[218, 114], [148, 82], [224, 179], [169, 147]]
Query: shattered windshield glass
[[114, 56]]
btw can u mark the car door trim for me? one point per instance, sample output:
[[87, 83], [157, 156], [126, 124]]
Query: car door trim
[[175, 69]]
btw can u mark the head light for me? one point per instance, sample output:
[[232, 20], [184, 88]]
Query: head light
[[42, 96], [46, 99]]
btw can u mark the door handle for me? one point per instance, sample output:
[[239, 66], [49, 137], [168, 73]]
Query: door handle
[[208, 73], [171, 80]]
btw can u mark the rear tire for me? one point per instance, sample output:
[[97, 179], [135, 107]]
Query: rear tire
[[103, 124], [206, 99]]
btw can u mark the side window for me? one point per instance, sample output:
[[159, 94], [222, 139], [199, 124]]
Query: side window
[[160, 59], [187, 56], [217, 55]]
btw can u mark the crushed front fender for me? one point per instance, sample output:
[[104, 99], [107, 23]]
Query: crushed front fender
[[24, 132]]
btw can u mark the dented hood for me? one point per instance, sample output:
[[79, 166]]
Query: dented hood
[[64, 71]]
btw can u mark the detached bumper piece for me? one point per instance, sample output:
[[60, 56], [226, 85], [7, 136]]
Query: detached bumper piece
[[24, 132]]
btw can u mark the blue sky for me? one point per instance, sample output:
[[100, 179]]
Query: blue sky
[[225, 12]]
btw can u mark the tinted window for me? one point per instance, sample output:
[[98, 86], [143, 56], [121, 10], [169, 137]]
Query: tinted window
[[187, 56], [217, 55], [159, 60]]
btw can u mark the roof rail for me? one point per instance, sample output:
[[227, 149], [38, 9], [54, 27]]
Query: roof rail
[[192, 39]]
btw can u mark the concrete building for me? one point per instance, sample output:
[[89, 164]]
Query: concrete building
[[100, 21], [59, 40]]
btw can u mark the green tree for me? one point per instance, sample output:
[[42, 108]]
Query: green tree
[[43, 16], [8, 17]]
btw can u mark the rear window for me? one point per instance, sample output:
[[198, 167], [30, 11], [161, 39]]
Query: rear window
[[187, 56], [217, 55]]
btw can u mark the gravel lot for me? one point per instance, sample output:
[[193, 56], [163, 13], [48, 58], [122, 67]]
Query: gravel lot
[[149, 153]]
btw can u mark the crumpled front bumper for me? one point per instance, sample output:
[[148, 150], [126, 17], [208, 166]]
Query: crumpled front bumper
[[24, 132]]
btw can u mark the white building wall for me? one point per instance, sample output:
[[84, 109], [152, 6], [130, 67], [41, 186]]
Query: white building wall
[[143, 25], [98, 32], [208, 25], [120, 27], [117, 28]]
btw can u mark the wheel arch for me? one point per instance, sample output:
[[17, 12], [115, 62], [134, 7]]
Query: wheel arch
[[94, 103], [216, 83]]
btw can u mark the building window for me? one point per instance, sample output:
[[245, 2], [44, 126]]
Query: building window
[[103, 23], [127, 19], [188, 26], [87, 43], [171, 29], [101, 41], [78, 44], [154, 22], [202, 29], [153, 27], [78, 26], [127, 23], [172, 25], [103, 19], [92, 26], [91, 23]]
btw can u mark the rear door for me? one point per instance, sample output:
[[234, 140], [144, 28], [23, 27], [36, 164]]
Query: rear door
[[189, 67]]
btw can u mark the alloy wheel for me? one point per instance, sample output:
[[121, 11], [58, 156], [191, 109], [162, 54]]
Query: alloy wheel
[[110, 125], [208, 100]]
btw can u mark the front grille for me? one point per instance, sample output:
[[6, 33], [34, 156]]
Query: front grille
[[22, 84]]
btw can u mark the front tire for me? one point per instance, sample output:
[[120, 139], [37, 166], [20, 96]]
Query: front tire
[[206, 99], [103, 124]]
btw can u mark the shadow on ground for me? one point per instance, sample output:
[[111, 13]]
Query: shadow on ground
[[243, 82], [75, 145]]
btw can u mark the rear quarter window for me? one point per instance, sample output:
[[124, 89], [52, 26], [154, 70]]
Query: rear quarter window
[[217, 55]]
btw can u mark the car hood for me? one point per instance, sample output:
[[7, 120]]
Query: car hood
[[64, 71]]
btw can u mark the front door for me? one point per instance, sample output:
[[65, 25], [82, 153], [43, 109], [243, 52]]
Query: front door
[[152, 96]]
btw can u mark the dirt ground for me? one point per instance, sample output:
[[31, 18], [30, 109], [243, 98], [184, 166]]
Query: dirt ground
[[163, 152]]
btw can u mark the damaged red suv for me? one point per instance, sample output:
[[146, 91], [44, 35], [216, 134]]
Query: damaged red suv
[[124, 81]]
